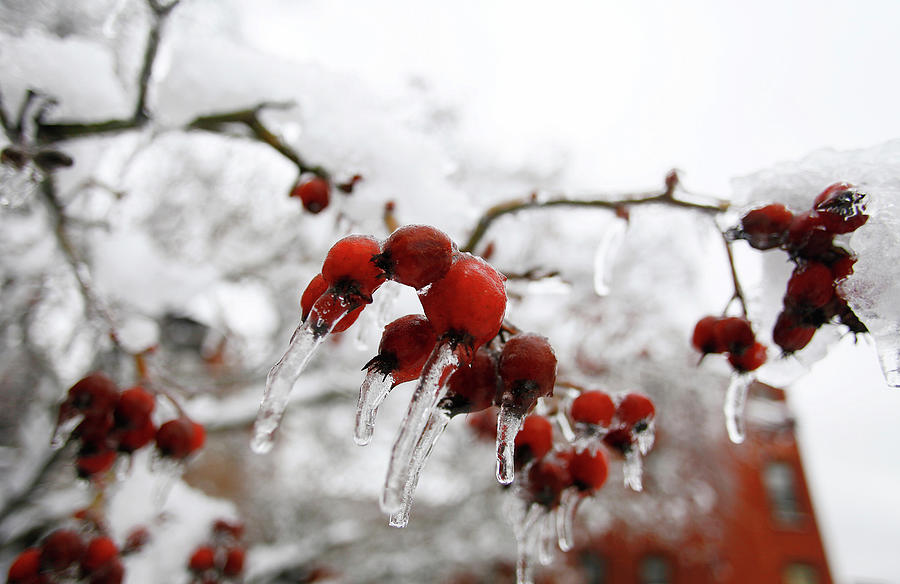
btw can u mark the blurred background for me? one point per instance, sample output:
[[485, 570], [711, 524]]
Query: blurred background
[[178, 231]]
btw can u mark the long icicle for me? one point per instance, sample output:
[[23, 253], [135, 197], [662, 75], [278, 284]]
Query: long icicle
[[431, 387], [372, 392], [735, 404], [424, 446], [565, 518], [509, 421]]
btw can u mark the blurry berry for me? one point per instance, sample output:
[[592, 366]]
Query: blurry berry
[[620, 440], [110, 573], [202, 559], [588, 470], [593, 407], [416, 255], [766, 227], [61, 549], [234, 562], [134, 406], [100, 551], [734, 333], [791, 333], [179, 438], [484, 424], [405, 345], [348, 268], [635, 409], [751, 359], [314, 192], [136, 540], [811, 286], [547, 478], [95, 395], [25, 568], [135, 438], [468, 303], [534, 440], [89, 464], [704, 337], [232, 529], [527, 369]]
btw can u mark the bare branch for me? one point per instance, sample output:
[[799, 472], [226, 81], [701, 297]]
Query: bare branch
[[738, 294]]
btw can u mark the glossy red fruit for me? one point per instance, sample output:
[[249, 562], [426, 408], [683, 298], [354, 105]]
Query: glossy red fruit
[[473, 387], [791, 333], [635, 408], [202, 559], [808, 239], [405, 345], [468, 303], [61, 549], [527, 368], [314, 290], [534, 440], [734, 333], [136, 438], [179, 438], [704, 338], [750, 360], [416, 255], [593, 407], [484, 424], [25, 567], [234, 562], [841, 208], [589, 470], [94, 395], [842, 267], [135, 403], [314, 192], [766, 227], [94, 462], [547, 478], [348, 268], [99, 551], [810, 286]]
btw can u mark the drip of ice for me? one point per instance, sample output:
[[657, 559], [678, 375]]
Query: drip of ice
[[547, 538], [63, 430], [167, 471], [527, 540], [588, 437], [565, 518], [372, 392], [605, 256], [282, 377], [735, 404], [429, 391], [424, 446], [562, 420], [509, 421], [645, 438], [633, 470], [378, 314], [886, 338]]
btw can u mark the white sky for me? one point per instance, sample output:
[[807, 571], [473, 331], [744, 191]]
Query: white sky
[[628, 90]]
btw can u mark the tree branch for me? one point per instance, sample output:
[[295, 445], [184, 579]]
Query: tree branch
[[738, 289], [666, 197]]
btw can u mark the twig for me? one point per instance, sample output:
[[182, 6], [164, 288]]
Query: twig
[[5, 121], [738, 289], [250, 118], [666, 197]]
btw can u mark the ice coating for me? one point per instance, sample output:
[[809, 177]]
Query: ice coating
[[509, 421], [735, 404], [633, 469], [436, 424], [527, 534], [372, 392], [605, 256], [64, 430], [430, 388], [565, 518], [645, 437]]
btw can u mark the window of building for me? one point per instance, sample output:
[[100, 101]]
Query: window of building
[[781, 487], [593, 567], [655, 569], [799, 573]]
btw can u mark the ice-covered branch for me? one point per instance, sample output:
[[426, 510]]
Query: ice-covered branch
[[666, 197]]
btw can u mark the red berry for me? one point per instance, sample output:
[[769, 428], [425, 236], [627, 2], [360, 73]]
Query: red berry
[[61, 549], [468, 303], [842, 267], [229, 529], [110, 573], [416, 255], [588, 470], [704, 337], [179, 438], [473, 387], [766, 227], [484, 424], [95, 395], [135, 438], [841, 208], [136, 540], [808, 239], [734, 333], [92, 463], [25, 567], [315, 193], [811, 286], [135, 403], [100, 550], [547, 478], [750, 359], [634, 409], [234, 562], [405, 345], [534, 440], [348, 268], [593, 407], [202, 559], [621, 440], [527, 369], [791, 333]]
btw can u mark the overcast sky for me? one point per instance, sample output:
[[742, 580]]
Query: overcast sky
[[624, 91]]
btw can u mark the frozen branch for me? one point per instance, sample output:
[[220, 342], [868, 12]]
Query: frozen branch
[[738, 294], [666, 197]]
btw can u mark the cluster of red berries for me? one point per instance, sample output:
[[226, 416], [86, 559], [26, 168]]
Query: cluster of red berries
[[65, 555], [222, 558], [315, 191], [107, 421], [811, 240], [733, 336]]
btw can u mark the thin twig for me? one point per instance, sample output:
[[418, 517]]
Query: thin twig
[[738, 289], [666, 197], [5, 122]]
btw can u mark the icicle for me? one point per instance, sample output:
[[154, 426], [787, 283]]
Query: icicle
[[645, 438], [526, 542], [633, 469], [884, 336], [426, 396], [372, 392], [509, 421], [604, 257], [424, 446], [168, 472], [378, 314], [735, 402], [562, 420], [547, 539], [565, 518], [64, 430], [588, 437]]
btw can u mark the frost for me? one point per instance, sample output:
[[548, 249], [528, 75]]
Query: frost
[[430, 388]]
